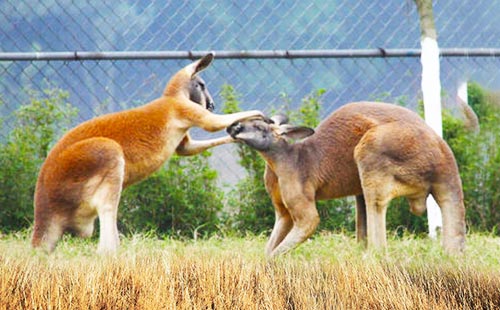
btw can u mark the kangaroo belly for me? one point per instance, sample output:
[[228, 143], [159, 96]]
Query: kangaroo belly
[[338, 176], [332, 191], [138, 171], [142, 162]]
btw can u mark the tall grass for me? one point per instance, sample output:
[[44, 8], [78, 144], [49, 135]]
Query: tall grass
[[329, 272]]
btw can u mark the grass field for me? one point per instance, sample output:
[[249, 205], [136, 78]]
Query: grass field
[[328, 272]]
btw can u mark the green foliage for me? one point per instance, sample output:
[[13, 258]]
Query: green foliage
[[181, 199], [36, 126], [308, 113], [478, 100], [401, 220], [337, 214], [249, 200]]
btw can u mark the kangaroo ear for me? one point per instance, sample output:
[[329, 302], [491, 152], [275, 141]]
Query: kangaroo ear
[[295, 132], [200, 65], [279, 119]]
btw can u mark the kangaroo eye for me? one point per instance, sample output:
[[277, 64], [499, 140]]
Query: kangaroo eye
[[201, 85]]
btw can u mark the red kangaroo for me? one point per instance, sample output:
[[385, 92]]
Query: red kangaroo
[[84, 174], [374, 151]]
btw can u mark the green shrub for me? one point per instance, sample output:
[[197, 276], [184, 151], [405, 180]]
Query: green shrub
[[251, 207], [181, 199], [36, 125]]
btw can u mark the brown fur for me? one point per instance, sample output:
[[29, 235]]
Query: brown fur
[[85, 172], [374, 151]]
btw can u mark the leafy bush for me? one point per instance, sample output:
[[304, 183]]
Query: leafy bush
[[249, 200], [181, 199], [36, 125]]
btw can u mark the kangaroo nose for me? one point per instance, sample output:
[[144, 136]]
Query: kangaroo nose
[[234, 129], [210, 106]]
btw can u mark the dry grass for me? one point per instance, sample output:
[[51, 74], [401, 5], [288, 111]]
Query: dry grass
[[330, 272]]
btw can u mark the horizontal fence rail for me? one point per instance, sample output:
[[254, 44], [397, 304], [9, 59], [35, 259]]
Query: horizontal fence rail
[[249, 54]]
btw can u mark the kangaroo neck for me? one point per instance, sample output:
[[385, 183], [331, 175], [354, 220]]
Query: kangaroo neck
[[288, 157]]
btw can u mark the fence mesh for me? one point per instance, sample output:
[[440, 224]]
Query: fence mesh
[[101, 86]]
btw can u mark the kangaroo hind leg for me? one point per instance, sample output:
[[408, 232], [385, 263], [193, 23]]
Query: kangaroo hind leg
[[102, 170]]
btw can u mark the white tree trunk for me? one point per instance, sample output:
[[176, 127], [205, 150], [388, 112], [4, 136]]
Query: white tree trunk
[[431, 90]]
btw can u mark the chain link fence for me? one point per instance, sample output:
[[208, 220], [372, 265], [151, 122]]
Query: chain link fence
[[98, 86]]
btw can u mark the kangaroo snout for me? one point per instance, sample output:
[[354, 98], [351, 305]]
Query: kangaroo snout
[[210, 106], [234, 129]]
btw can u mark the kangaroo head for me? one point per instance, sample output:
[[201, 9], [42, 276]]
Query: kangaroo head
[[265, 135], [188, 84], [198, 92]]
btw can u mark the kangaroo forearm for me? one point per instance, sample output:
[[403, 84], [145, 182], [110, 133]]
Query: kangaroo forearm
[[194, 147], [216, 122]]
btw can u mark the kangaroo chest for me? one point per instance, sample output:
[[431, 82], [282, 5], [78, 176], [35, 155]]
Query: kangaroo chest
[[148, 155]]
